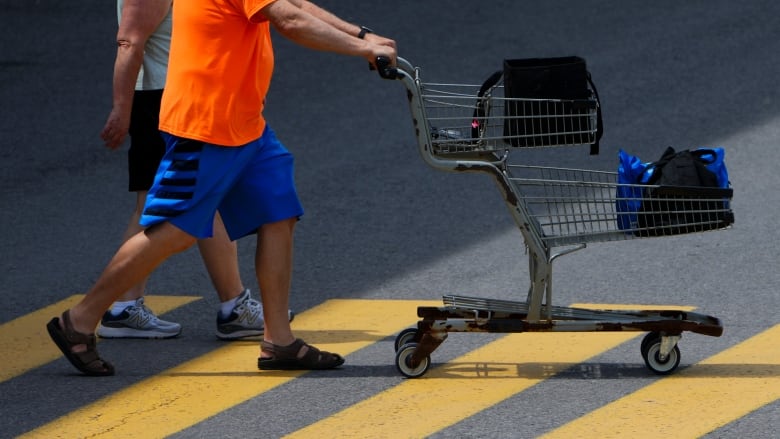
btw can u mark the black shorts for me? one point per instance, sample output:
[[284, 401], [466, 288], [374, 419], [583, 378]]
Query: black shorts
[[147, 146]]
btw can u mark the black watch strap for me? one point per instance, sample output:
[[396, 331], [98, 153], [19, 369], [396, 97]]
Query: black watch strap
[[363, 31]]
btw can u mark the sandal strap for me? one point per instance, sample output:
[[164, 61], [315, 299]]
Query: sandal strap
[[283, 352], [89, 358], [312, 359], [74, 337], [315, 356]]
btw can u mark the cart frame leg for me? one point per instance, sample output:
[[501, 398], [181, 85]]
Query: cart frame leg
[[428, 341], [668, 342]]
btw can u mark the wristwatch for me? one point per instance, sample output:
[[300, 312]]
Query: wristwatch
[[363, 31]]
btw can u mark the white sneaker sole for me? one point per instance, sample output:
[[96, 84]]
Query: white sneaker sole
[[108, 332], [247, 332], [240, 334]]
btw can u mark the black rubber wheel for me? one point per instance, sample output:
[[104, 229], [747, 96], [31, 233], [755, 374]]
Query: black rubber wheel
[[653, 361], [649, 338], [402, 362], [408, 335]]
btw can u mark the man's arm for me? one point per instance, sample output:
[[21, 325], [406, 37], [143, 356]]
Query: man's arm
[[338, 23], [139, 20], [315, 28]]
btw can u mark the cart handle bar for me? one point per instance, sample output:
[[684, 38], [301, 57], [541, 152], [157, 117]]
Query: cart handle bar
[[384, 68]]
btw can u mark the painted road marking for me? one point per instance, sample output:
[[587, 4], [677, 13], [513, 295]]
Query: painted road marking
[[26, 345], [468, 384], [187, 394], [694, 401]]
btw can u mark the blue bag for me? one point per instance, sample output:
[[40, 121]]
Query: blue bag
[[715, 158], [629, 198]]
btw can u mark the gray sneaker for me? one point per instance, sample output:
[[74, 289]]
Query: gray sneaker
[[246, 319], [136, 321]]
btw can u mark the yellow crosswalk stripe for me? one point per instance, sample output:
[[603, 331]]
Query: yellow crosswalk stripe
[[694, 401], [468, 384], [26, 344], [187, 394]]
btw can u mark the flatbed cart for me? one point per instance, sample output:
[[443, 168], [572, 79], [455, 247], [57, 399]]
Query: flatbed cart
[[558, 211]]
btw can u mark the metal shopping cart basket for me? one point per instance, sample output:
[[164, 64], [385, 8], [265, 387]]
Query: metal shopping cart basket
[[558, 211]]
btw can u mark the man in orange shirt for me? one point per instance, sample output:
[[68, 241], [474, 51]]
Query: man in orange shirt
[[140, 70], [221, 156]]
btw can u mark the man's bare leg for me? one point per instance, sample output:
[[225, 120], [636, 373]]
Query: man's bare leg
[[133, 228], [133, 262], [280, 349], [273, 264]]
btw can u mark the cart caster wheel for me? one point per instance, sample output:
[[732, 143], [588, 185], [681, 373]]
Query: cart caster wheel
[[402, 362], [406, 336], [652, 356], [647, 340]]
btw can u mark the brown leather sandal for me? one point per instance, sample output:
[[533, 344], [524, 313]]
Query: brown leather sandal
[[286, 357], [88, 361]]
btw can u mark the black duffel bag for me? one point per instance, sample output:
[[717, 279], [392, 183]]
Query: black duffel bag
[[688, 197]]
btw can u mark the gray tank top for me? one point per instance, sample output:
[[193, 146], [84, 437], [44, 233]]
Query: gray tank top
[[155, 64]]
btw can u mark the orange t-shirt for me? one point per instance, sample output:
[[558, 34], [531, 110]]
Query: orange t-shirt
[[219, 70]]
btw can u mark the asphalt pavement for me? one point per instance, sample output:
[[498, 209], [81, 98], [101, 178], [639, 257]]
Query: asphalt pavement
[[379, 223]]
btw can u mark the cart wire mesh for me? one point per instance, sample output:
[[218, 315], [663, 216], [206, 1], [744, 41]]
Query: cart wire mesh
[[464, 120], [574, 206]]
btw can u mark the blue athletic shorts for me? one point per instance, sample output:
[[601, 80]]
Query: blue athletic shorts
[[249, 185]]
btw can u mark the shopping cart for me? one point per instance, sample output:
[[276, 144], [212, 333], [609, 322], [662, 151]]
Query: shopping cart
[[558, 211]]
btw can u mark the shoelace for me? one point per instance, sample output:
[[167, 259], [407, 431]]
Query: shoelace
[[249, 310], [145, 314]]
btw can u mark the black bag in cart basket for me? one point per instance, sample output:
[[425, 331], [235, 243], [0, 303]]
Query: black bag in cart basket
[[562, 113], [688, 198]]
